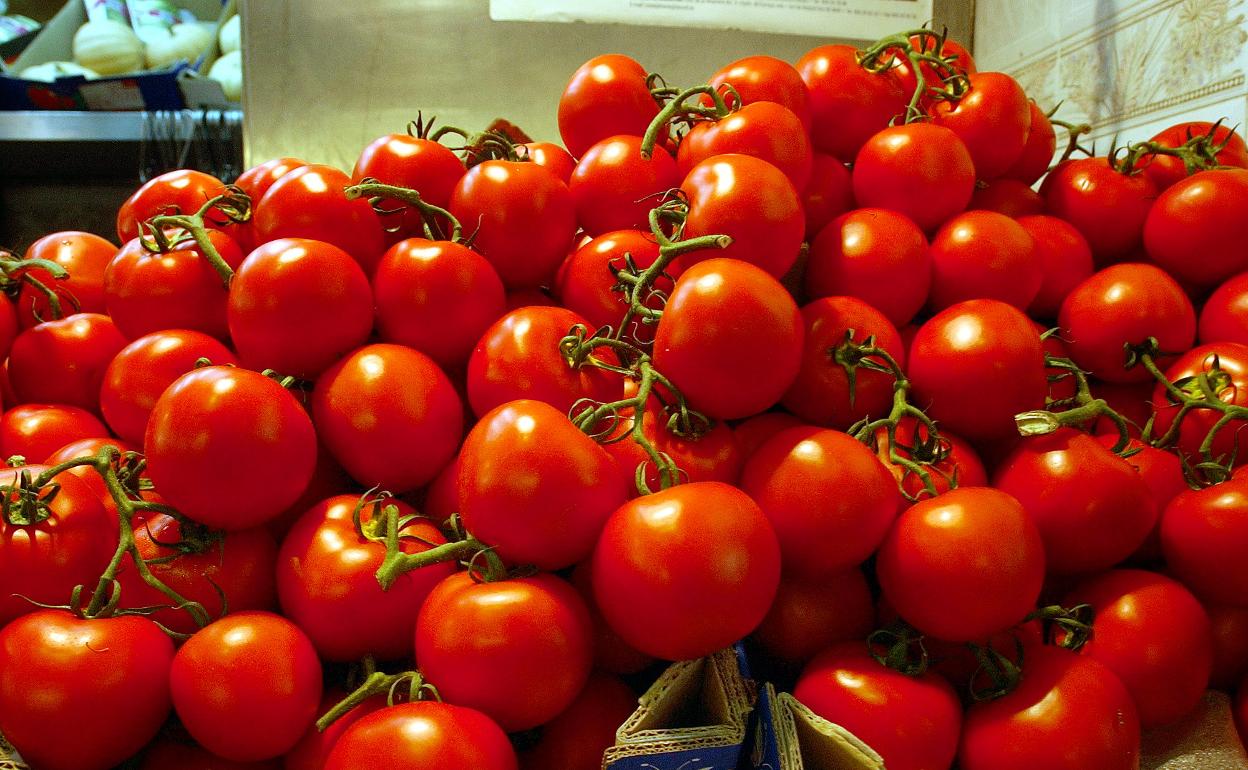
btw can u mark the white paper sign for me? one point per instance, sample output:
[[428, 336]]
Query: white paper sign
[[853, 19]]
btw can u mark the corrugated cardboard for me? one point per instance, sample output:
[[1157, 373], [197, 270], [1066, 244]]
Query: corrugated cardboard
[[789, 736]]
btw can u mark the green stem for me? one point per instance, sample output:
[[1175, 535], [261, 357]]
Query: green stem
[[1042, 422], [235, 205], [378, 683], [398, 562], [679, 108], [873, 60], [429, 213]]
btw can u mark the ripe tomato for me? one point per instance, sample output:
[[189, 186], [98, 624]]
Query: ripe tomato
[[762, 129], [35, 431], [1107, 207], [983, 255], [1203, 536], [85, 257], [553, 158], [108, 678], [607, 96], [1093, 509], [519, 650], [1166, 170], [876, 255], [313, 749], [1006, 196], [827, 497], [142, 371], [1231, 387], [614, 187], [219, 423], [426, 735], [63, 361], [714, 455], [177, 192], [921, 170], [327, 585], [1065, 261], [1224, 317], [925, 575], [977, 364], [255, 182], [149, 292], [959, 463], [722, 570], [1038, 152], [170, 755], [847, 103], [903, 71], [585, 280], [577, 738], [808, 616], [1162, 472], [417, 164], [993, 119], [389, 416], [89, 447], [1229, 631], [1197, 230], [247, 686], [828, 194], [534, 487], [723, 312], [611, 653], [284, 314], [8, 324], [912, 722], [1068, 711], [755, 431]]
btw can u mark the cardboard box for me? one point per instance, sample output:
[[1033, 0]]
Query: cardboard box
[[199, 90], [139, 91]]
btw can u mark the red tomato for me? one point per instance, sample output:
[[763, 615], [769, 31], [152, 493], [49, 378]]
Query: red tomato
[[89, 447], [876, 255], [752, 202], [1163, 473], [108, 678], [8, 325], [1203, 536], [764, 79], [614, 187], [518, 650], [977, 364], [1069, 711], [523, 216], [424, 736], [847, 103], [993, 119], [1153, 634], [308, 202], [284, 314], [822, 394], [903, 71], [202, 567], [550, 519], [762, 129], [585, 281], [417, 164], [149, 292], [1092, 508], [313, 749], [328, 479], [912, 722], [810, 615], [607, 96], [219, 423], [389, 416], [921, 170], [1006, 196], [721, 312], [959, 462], [925, 575], [1038, 152], [1231, 387], [63, 361], [828, 194], [144, 369], [1224, 317], [247, 686], [255, 182], [1197, 230], [577, 738], [327, 585], [1229, 631], [1166, 170], [983, 255], [35, 431], [752, 433], [85, 257], [1107, 207], [176, 192], [1065, 261], [830, 501], [553, 158], [170, 755], [714, 455]]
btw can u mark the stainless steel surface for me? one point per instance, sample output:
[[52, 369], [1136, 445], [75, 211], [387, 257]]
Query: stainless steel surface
[[73, 126]]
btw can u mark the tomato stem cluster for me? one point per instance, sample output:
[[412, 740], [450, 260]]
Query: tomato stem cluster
[[678, 109], [1084, 408], [1198, 153], [14, 272], [881, 56], [431, 216], [377, 683], [234, 205]]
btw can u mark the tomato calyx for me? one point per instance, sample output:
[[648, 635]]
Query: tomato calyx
[[1074, 132], [499, 141], [378, 683], [1198, 153], [903, 648], [1004, 674], [432, 217], [234, 206], [679, 111], [15, 271], [1070, 628], [1076, 411], [881, 56]]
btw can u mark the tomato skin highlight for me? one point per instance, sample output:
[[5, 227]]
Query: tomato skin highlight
[[426, 735], [921, 170]]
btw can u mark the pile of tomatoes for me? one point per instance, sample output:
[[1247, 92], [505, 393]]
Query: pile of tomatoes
[[439, 450]]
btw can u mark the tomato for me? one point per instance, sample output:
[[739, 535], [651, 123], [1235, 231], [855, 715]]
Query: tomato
[[810, 615], [823, 393], [752, 202], [983, 255], [247, 686], [327, 585], [85, 257], [713, 455], [1006, 196], [722, 312], [389, 416], [170, 755], [959, 664], [577, 738], [911, 722], [1069, 711], [283, 313], [553, 158], [1229, 630], [415, 163], [35, 431], [903, 71], [925, 575], [149, 291], [108, 679], [921, 170], [308, 202], [975, 365], [1037, 152], [1107, 207], [519, 650], [64, 361], [876, 255], [1224, 317], [762, 129], [1197, 229], [255, 182], [614, 187], [438, 297], [1231, 387], [138, 374], [847, 103], [8, 324], [1092, 508], [1203, 536], [535, 487], [611, 653], [959, 462], [313, 749], [89, 447], [828, 194], [755, 431], [424, 736], [177, 192], [993, 119], [1065, 261], [764, 79], [585, 281], [524, 219], [1154, 635], [1163, 473], [828, 498], [519, 357], [1166, 170], [607, 96], [219, 423]]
